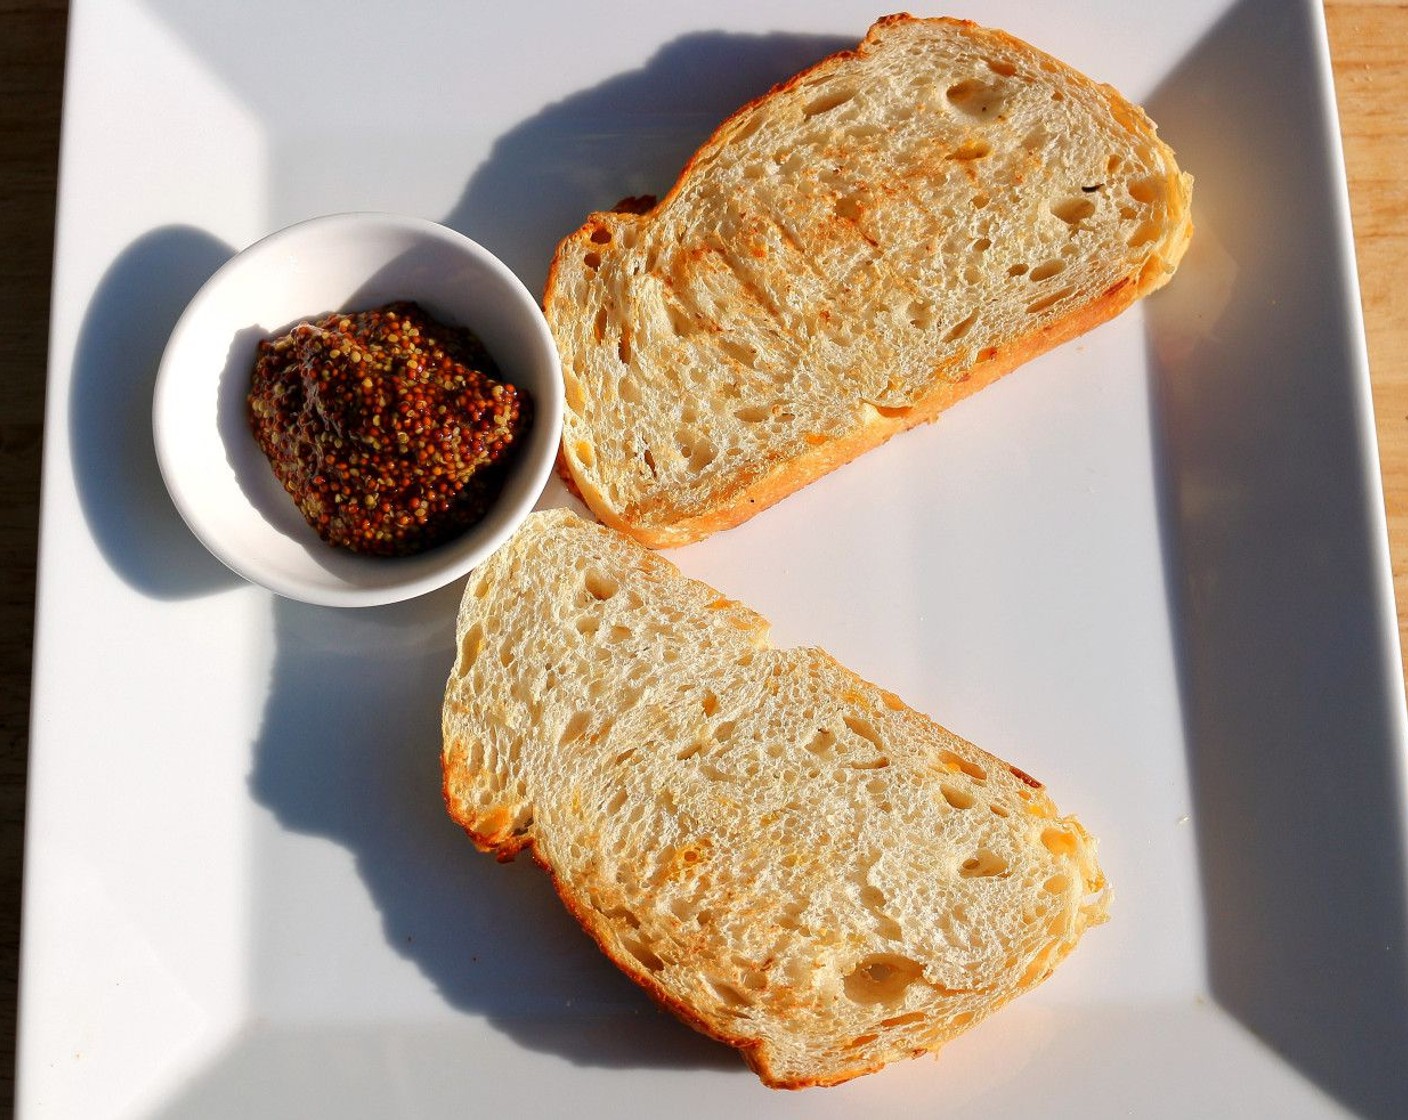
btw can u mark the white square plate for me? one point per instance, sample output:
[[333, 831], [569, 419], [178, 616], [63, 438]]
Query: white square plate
[[1150, 568]]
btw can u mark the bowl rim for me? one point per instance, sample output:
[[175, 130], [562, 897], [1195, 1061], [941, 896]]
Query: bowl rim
[[460, 555]]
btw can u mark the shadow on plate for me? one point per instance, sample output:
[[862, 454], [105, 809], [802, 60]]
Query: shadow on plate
[[350, 749], [125, 328], [630, 135], [1277, 571]]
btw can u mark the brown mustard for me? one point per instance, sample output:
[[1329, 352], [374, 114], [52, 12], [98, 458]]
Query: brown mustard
[[391, 431]]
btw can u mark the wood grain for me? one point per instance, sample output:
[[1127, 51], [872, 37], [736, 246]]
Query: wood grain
[[1369, 41], [1369, 51]]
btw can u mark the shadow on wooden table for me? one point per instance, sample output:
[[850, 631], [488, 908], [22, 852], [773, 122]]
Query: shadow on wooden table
[[1277, 567]]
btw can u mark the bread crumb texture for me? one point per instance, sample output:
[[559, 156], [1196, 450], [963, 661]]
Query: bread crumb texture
[[786, 856], [870, 242]]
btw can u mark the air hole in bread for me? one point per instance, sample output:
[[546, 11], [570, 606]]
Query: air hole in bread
[[983, 864], [690, 751], [873, 899], [1073, 210], [752, 414], [1002, 66], [691, 856], [921, 314], [823, 743], [623, 348], [599, 324], [617, 800], [642, 953], [980, 201], [680, 323], [957, 798], [977, 98], [881, 978], [1036, 139], [1148, 231], [1059, 842], [470, 648], [982, 245], [649, 460], [601, 235], [599, 585], [1040, 305], [1040, 966], [588, 624], [865, 730], [973, 275], [961, 328], [974, 148], [958, 764], [1148, 190], [1017, 270], [1046, 270], [1057, 95], [592, 261], [698, 451], [997, 810], [740, 352], [827, 101], [574, 395], [746, 127], [877, 763], [1057, 884], [849, 208], [729, 995], [790, 163]]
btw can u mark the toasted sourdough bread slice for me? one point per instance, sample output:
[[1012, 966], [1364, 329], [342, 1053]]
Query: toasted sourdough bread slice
[[875, 239], [786, 856]]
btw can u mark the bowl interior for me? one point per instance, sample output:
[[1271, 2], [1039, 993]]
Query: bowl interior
[[218, 477]]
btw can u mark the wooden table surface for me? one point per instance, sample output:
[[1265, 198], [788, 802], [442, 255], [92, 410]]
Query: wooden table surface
[[1369, 42]]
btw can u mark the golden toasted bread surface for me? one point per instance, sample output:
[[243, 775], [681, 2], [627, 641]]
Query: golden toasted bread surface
[[867, 244], [785, 855]]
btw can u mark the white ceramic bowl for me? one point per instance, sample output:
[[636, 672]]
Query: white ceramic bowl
[[222, 483]]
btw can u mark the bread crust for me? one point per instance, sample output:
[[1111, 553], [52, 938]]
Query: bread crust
[[764, 484]]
